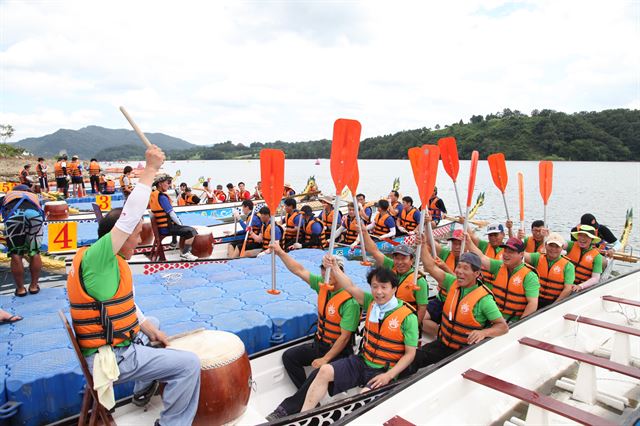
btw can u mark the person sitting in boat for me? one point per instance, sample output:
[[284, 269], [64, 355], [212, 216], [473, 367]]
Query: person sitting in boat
[[338, 320], [24, 177], [602, 231], [125, 181], [491, 248], [220, 195], [292, 222], [100, 277], [288, 190], [394, 203], [348, 231], [364, 209], [23, 227], [556, 273], [470, 313], [534, 243], [169, 223], [408, 217], [515, 287], [255, 226], [326, 215], [437, 208], [232, 194], [585, 256], [389, 344], [264, 237], [243, 194], [314, 236], [208, 194], [257, 193], [109, 186], [384, 225], [179, 192], [94, 175]]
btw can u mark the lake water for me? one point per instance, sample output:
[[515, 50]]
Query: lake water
[[605, 189]]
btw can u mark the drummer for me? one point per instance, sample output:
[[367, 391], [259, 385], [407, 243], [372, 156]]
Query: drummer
[[106, 277]]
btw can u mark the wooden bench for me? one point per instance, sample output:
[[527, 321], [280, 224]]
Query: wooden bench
[[582, 357], [622, 300], [90, 398], [603, 324], [534, 398]]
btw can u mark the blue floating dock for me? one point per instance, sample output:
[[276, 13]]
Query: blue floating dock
[[38, 366]]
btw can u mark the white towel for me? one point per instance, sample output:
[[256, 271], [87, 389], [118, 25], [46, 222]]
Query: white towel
[[105, 372]]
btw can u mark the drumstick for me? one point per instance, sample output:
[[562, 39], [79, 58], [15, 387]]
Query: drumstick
[[141, 135], [178, 336]]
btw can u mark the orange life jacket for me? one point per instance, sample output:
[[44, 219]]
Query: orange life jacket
[[245, 195], [405, 290], [97, 323], [110, 187], [394, 206], [327, 219], [125, 188], [57, 169], [292, 229], [266, 235], [14, 195], [530, 247], [492, 254], [380, 228], [383, 343], [509, 292], [181, 200], [94, 168], [220, 195], [582, 261], [73, 168], [308, 233], [233, 195], [162, 217], [24, 174], [406, 219], [329, 314], [434, 211], [351, 232], [457, 316], [40, 171], [551, 278]]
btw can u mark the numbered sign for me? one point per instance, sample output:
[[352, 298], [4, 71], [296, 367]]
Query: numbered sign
[[7, 186], [104, 202], [63, 236]]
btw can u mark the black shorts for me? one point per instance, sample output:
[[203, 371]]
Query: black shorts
[[435, 309], [251, 245], [61, 182], [181, 231], [351, 372], [77, 179]]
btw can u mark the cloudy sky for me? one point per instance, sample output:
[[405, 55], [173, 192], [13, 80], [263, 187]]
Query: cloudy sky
[[285, 70]]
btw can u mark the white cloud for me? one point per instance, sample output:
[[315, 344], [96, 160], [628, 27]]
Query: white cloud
[[247, 71]]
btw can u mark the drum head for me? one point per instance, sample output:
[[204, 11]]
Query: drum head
[[214, 348]]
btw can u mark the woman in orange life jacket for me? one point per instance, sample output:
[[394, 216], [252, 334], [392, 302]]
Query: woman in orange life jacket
[[408, 217], [470, 314], [389, 343], [394, 203], [605, 235], [384, 225], [126, 186], [555, 272], [585, 257], [364, 210], [338, 319]]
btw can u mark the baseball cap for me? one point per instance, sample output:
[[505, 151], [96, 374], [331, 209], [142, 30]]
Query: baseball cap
[[404, 250], [457, 235], [514, 244], [555, 238], [472, 259], [495, 228]]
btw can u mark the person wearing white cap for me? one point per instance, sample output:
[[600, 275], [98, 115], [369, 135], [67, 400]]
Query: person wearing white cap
[[491, 248], [585, 257], [288, 190], [556, 273]]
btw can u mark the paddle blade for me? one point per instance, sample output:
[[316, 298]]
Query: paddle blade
[[521, 194], [449, 154], [472, 177], [424, 164], [272, 177], [498, 168], [545, 169], [355, 177], [344, 151]]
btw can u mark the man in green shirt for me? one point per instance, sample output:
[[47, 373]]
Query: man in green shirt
[[338, 319], [390, 341], [469, 313], [401, 264]]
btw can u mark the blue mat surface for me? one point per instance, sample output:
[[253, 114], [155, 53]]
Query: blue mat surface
[[39, 368]]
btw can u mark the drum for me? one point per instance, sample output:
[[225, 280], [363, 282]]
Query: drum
[[225, 375], [202, 245], [146, 235], [56, 210]]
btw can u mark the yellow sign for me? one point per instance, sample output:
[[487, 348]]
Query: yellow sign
[[104, 202], [7, 186], [63, 236]]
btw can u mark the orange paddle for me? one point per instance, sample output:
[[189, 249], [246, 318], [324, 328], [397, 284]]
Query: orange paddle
[[498, 168], [353, 187], [472, 184], [344, 158], [521, 198], [424, 163], [449, 155], [545, 169], [272, 178]]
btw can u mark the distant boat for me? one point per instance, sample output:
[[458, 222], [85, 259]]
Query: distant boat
[[317, 161]]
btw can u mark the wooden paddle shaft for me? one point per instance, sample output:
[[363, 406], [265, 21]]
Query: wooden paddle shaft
[[141, 135], [416, 262], [332, 243]]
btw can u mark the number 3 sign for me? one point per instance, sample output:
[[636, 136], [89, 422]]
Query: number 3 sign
[[63, 236], [104, 202]]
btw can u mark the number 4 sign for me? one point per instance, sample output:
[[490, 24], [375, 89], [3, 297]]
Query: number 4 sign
[[104, 202], [62, 236]]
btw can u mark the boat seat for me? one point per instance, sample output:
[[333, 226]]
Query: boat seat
[[603, 324], [398, 421], [534, 398], [622, 300], [99, 414], [157, 250], [97, 211], [582, 357]]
